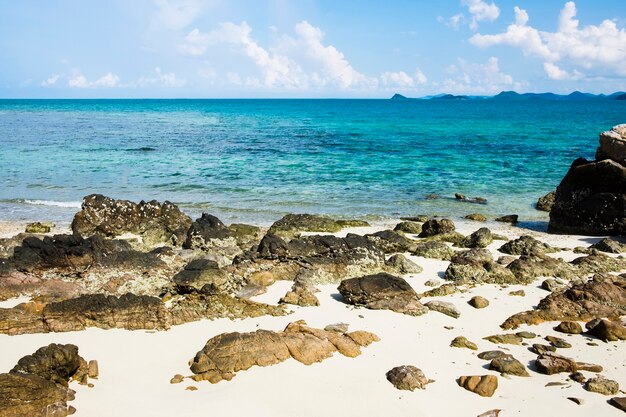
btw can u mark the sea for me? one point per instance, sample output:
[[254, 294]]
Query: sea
[[256, 160]]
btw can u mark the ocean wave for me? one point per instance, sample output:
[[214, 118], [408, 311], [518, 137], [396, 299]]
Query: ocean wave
[[50, 203]]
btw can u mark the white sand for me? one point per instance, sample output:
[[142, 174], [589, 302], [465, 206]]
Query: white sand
[[135, 367]]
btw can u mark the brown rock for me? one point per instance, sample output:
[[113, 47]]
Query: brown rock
[[407, 377], [462, 342], [609, 331], [437, 226], [511, 339], [602, 385], [484, 385], [569, 327], [444, 307], [618, 402], [551, 363], [177, 379], [478, 302], [508, 365]]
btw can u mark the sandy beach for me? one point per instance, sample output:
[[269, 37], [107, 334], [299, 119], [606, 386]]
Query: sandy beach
[[136, 366]]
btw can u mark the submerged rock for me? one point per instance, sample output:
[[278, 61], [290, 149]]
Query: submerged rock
[[407, 377], [509, 218], [382, 292], [228, 353], [155, 222]]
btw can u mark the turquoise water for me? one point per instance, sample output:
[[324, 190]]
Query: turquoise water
[[254, 160]]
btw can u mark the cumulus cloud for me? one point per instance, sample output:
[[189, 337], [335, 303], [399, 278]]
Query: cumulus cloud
[[163, 79], [481, 11], [593, 48], [52, 80], [78, 80], [177, 14], [397, 79], [471, 78], [279, 68]]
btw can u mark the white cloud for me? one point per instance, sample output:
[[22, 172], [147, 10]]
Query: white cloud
[[52, 80], [420, 78], [597, 49], [455, 21], [397, 79], [481, 11], [177, 14], [159, 78], [78, 80], [471, 78]]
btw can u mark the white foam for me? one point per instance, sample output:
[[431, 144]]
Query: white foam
[[52, 203]]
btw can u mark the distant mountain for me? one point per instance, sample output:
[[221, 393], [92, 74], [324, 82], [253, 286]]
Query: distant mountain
[[515, 96]]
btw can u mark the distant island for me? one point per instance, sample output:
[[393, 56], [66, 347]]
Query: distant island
[[515, 96]]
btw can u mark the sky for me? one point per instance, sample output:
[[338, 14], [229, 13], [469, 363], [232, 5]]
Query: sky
[[308, 48]]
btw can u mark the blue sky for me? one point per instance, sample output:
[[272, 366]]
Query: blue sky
[[309, 48]]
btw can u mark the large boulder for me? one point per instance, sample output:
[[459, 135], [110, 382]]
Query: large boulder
[[292, 225], [228, 353], [382, 292], [591, 199], [155, 222]]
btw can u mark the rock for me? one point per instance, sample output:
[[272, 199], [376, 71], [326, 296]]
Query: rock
[[441, 291], [484, 385], [437, 226], [540, 349], [477, 217], [352, 223], [155, 222], [382, 292], [602, 385], [431, 283], [578, 377], [209, 234], [479, 239], [618, 402], [403, 265], [526, 335], [581, 302], [518, 293], [38, 227], [475, 200], [526, 245], [478, 302], [434, 250], [509, 218], [409, 227], [551, 284], [291, 225], [598, 263], [444, 307], [476, 266], [508, 365], [177, 379], [590, 199], [392, 242], [420, 218], [462, 342], [569, 327], [546, 202], [92, 369], [609, 331], [337, 327], [576, 400], [557, 342], [609, 245], [529, 267], [301, 294], [511, 339], [56, 363], [228, 353], [205, 275], [272, 247], [613, 145], [407, 377], [551, 363], [491, 354], [246, 235], [491, 413], [191, 388]]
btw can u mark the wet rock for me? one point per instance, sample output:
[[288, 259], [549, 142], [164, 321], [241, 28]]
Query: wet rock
[[509, 218], [409, 227], [352, 223], [403, 265], [526, 245], [491, 354], [382, 292], [477, 217], [618, 402], [246, 235], [155, 222], [546, 202], [602, 386], [226, 354], [609, 245], [569, 327], [609, 331], [581, 302], [291, 225], [38, 227], [478, 302], [508, 365], [476, 266], [392, 242], [407, 377], [434, 250], [484, 385], [475, 200], [462, 342], [444, 307], [511, 339], [557, 342], [437, 226], [479, 239]]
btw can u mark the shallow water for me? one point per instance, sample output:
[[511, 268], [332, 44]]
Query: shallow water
[[254, 160]]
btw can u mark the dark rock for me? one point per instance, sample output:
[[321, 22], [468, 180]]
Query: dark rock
[[272, 246], [529, 267], [437, 226], [618, 402], [291, 225], [408, 227], [382, 292], [578, 377], [484, 385], [540, 349], [526, 245], [155, 222], [407, 377], [598, 263], [569, 327], [609, 245], [551, 363], [552, 285], [205, 275], [56, 363], [557, 342], [420, 219], [581, 302], [546, 202], [403, 265], [434, 250], [609, 331], [228, 353], [475, 200], [392, 242], [479, 239], [476, 266], [491, 354], [478, 302], [509, 218]]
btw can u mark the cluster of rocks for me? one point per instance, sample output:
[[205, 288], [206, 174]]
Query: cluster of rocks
[[38, 385]]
